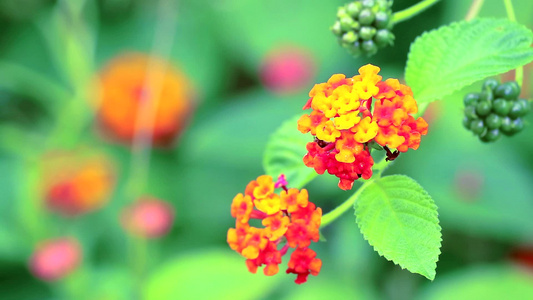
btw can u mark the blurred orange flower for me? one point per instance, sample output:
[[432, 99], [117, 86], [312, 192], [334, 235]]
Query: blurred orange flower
[[137, 92], [77, 183], [54, 259], [148, 217]]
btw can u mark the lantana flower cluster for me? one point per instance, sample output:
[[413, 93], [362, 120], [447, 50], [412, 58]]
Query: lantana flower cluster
[[352, 115], [288, 217]]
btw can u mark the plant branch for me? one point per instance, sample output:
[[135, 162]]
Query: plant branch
[[412, 11], [519, 72], [473, 11], [339, 210]]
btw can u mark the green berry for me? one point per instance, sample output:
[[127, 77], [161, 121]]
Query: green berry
[[508, 90], [354, 8], [483, 108], [477, 126], [368, 3], [493, 121], [490, 135], [517, 125], [490, 83], [383, 37], [466, 122], [486, 95], [350, 37], [501, 106], [384, 4], [367, 33], [369, 47], [471, 98], [382, 20], [346, 23], [366, 16], [525, 106], [341, 12], [354, 49], [336, 28], [470, 112], [507, 126], [517, 109]]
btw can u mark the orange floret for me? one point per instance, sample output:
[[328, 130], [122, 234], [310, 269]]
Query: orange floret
[[293, 199], [241, 208], [269, 205], [264, 188], [365, 130]]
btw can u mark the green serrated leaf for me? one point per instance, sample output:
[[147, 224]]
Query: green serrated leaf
[[454, 56], [284, 154], [399, 219]]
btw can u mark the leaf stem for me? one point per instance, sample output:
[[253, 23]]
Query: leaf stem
[[339, 210], [474, 9], [412, 11], [519, 72], [510, 11]]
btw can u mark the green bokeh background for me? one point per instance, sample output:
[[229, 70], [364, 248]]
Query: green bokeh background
[[483, 191]]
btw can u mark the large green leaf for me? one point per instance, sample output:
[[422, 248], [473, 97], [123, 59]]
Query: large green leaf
[[481, 189], [284, 154], [399, 219], [214, 274], [454, 56], [481, 282]]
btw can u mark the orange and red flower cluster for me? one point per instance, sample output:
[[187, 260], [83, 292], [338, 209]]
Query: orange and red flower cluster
[[287, 217], [351, 114]]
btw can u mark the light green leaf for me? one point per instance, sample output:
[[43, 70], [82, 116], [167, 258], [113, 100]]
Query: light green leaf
[[449, 58], [211, 274], [284, 154], [399, 219]]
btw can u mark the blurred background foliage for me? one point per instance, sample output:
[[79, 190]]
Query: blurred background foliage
[[250, 65]]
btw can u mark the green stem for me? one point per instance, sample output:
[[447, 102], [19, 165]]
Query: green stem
[[412, 11], [339, 210], [510, 10], [474, 9], [519, 72]]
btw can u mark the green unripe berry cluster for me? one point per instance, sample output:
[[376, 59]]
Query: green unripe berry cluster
[[496, 110], [364, 26]]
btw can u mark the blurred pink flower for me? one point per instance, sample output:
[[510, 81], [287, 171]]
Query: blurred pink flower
[[148, 217], [287, 69], [55, 258]]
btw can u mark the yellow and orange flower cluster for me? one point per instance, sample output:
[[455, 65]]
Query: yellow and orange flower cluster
[[287, 217], [350, 114], [137, 92]]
